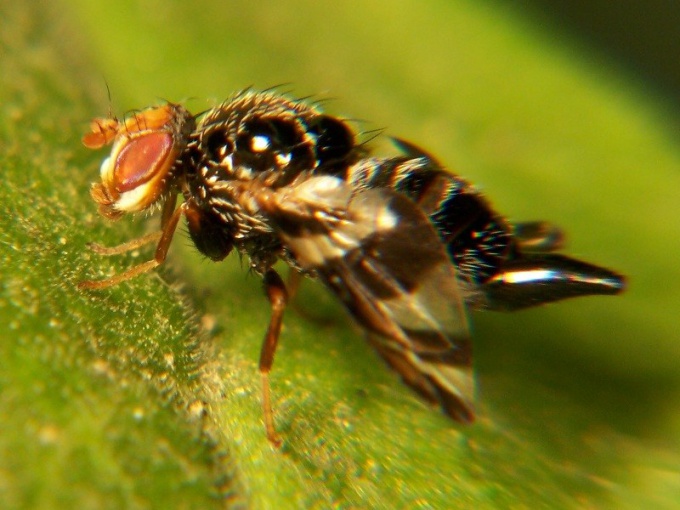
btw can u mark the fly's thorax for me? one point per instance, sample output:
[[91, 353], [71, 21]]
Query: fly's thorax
[[266, 137], [253, 145], [141, 167]]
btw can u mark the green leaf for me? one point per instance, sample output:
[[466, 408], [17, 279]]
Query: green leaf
[[147, 395]]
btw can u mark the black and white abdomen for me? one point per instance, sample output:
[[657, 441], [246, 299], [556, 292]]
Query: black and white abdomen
[[477, 239]]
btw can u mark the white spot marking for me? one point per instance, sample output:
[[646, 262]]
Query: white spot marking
[[259, 143], [283, 159]]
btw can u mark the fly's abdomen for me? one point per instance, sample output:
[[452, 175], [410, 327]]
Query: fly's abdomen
[[478, 240]]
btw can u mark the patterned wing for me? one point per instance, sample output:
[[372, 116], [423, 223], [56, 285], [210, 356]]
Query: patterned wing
[[381, 256]]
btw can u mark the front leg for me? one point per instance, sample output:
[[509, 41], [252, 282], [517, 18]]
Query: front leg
[[278, 298], [169, 225]]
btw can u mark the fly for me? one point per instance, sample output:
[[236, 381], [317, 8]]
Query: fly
[[404, 244]]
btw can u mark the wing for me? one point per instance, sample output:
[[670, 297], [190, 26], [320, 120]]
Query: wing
[[382, 257]]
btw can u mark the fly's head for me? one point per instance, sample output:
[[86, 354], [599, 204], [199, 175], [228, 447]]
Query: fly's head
[[271, 139], [145, 148]]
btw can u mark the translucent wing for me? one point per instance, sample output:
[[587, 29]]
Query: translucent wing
[[382, 257]]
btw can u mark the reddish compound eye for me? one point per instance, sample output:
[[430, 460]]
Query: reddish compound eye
[[140, 160]]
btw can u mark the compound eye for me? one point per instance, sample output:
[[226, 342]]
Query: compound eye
[[334, 139], [142, 159]]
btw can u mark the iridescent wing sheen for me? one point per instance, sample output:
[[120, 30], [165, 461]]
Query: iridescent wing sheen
[[379, 253]]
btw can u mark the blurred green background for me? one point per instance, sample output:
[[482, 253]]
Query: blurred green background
[[643, 38], [147, 395]]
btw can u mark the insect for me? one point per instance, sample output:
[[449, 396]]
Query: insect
[[404, 244]]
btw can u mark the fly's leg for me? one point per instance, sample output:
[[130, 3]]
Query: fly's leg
[[125, 247], [166, 214], [164, 237], [278, 298]]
